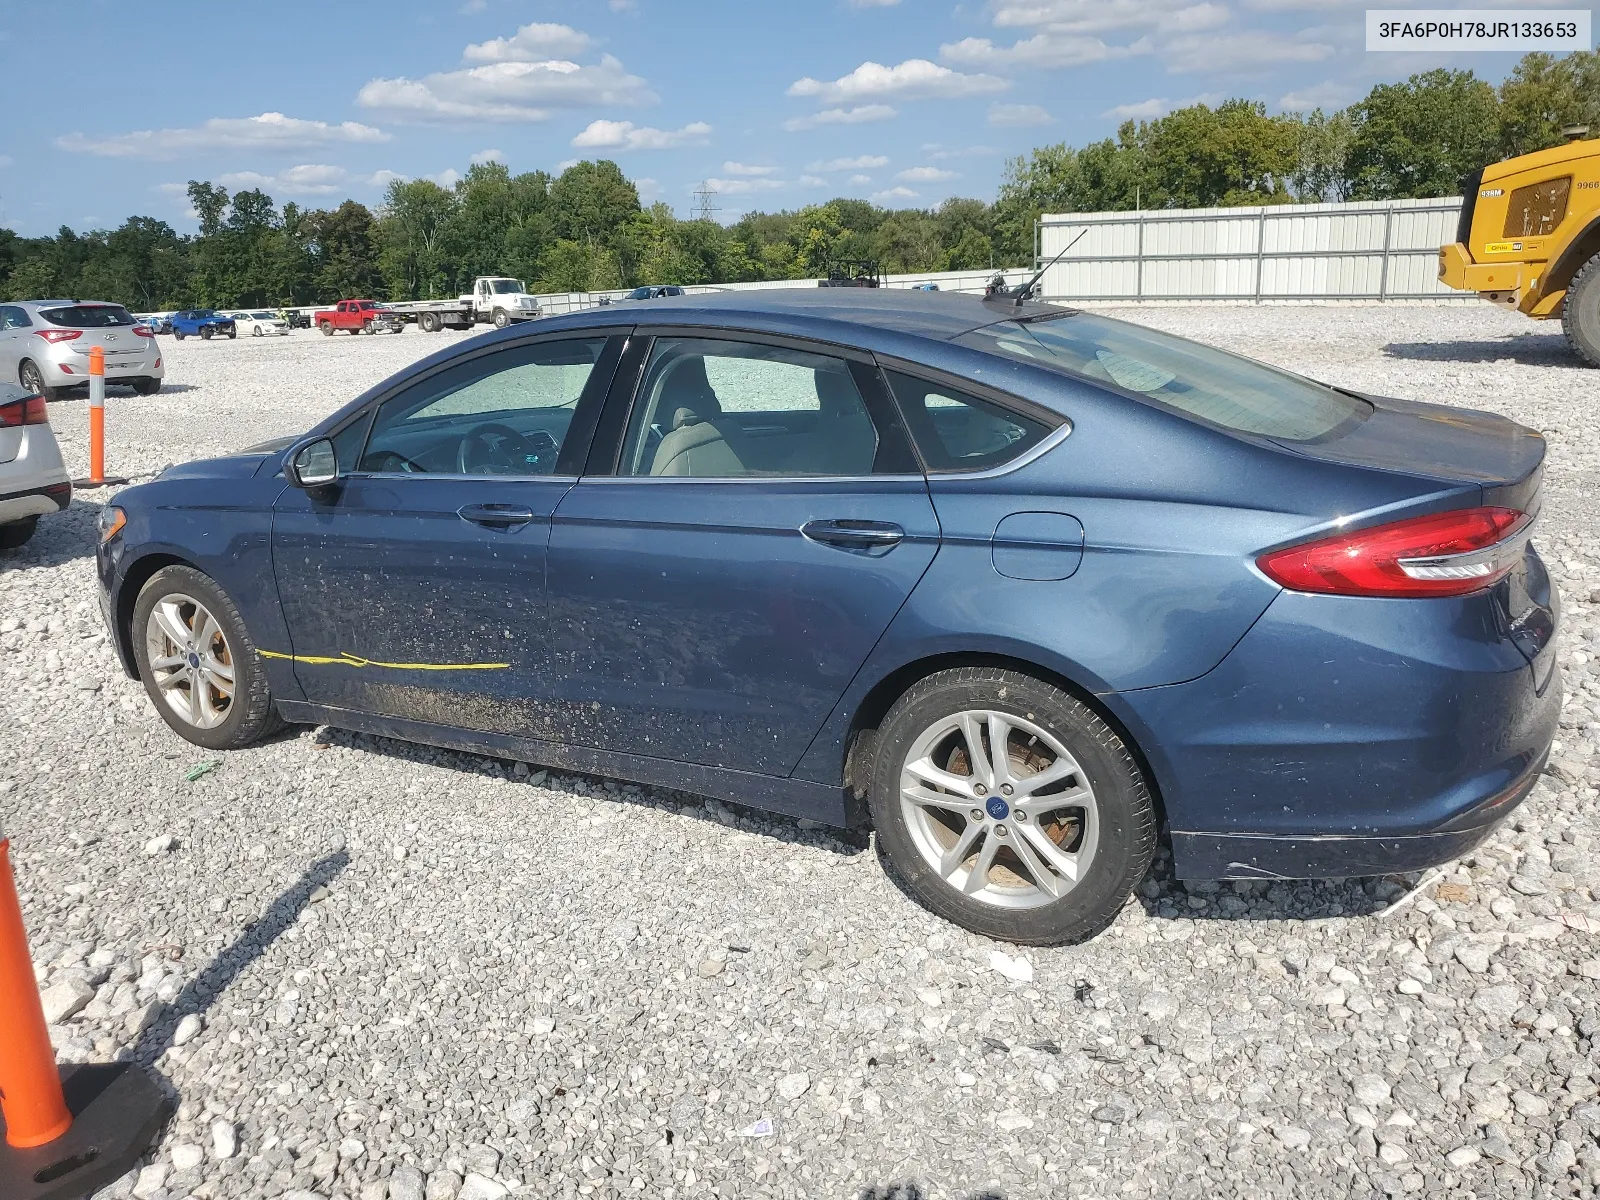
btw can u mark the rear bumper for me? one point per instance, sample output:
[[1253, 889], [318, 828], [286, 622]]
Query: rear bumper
[[73, 371], [1347, 736], [34, 502]]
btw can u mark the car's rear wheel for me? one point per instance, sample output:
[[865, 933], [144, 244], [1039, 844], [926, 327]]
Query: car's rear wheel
[[1580, 316], [198, 663], [146, 386], [233, 331], [1009, 807], [32, 380], [327, 328], [15, 534], [428, 323]]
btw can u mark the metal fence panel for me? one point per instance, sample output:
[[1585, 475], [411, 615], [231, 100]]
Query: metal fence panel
[[1352, 251]]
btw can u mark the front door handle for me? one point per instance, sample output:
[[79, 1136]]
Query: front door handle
[[852, 534], [495, 516]]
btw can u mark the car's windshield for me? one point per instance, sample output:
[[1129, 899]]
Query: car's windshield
[[503, 286], [89, 316], [1224, 389], [642, 293]]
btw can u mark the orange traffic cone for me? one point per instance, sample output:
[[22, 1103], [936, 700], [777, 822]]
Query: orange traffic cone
[[65, 1135]]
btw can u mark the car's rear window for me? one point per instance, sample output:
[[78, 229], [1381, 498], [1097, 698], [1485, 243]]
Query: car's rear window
[[1213, 385], [88, 316]]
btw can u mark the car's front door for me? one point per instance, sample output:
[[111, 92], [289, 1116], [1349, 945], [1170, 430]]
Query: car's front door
[[755, 525], [415, 587]]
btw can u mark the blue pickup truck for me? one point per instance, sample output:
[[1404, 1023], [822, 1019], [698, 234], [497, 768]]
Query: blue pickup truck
[[201, 322]]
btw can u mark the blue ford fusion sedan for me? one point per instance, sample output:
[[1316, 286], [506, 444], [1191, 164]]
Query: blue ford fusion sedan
[[1020, 586]]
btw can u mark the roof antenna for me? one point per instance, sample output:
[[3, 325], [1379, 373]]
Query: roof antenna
[[1024, 292]]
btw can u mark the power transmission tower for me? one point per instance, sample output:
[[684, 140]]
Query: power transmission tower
[[704, 209]]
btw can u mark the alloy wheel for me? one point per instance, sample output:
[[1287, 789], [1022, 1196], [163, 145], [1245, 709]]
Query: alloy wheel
[[999, 808], [190, 660]]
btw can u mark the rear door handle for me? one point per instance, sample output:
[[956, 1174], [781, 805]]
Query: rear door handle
[[852, 534], [495, 516]]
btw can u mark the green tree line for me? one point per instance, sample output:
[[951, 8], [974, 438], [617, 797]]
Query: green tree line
[[586, 230]]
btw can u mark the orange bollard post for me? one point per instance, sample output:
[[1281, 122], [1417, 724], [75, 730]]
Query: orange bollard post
[[66, 1134], [97, 423], [30, 1086]]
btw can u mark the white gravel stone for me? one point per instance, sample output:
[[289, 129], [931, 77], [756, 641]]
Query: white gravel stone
[[793, 1086], [522, 975], [187, 1030], [1463, 1157], [476, 1187], [65, 1000], [186, 1156], [162, 844], [224, 1139]]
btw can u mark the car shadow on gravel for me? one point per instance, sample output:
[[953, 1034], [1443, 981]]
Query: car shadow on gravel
[[844, 842], [204, 989], [60, 538], [1528, 349], [1166, 897]]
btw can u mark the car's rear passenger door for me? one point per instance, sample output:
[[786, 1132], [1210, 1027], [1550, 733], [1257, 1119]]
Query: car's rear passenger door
[[751, 520], [414, 588]]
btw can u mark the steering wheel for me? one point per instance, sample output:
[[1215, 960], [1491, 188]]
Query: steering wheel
[[494, 449]]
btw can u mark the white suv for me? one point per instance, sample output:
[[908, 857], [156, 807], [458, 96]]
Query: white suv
[[33, 480], [44, 346]]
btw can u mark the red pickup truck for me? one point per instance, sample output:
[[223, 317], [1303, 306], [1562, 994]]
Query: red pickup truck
[[358, 316]]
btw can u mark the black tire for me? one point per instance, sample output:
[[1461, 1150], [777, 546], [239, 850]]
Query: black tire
[[233, 331], [15, 534], [1126, 821], [179, 335], [1580, 316], [428, 322], [146, 386], [501, 318], [251, 714], [207, 333], [327, 328], [255, 331], [32, 381]]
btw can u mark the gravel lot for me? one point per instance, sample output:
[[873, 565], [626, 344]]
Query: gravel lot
[[372, 969]]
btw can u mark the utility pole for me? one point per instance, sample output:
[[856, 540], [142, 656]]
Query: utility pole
[[704, 208]]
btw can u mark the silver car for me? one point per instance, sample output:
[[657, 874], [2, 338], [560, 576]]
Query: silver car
[[44, 346], [33, 480]]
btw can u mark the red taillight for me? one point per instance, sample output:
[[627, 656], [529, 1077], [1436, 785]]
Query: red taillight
[[1444, 554], [28, 411], [58, 335], [143, 331]]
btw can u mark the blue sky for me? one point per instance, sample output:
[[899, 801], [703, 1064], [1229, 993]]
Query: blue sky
[[776, 104]]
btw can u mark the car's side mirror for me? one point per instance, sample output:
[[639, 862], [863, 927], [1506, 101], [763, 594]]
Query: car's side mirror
[[313, 465]]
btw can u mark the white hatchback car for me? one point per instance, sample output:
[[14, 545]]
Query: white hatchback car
[[260, 324], [33, 480], [45, 344]]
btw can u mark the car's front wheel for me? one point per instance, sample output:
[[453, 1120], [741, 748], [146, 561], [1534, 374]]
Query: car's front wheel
[[501, 318], [178, 334], [206, 333], [1009, 807], [198, 663], [1580, 314]]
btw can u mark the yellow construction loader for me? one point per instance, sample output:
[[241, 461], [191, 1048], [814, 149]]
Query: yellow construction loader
[[1529, 238]]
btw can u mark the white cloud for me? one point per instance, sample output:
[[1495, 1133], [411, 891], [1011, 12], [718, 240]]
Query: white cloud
[[1043, 51], [1160, 106], [307, 179], [506, 91], [873, 3], [565, 163], [1329, 95], [938, 153], [490, 155], [1241, 51], [861, 162], [382, 179], [747, 169], [649, 189], [841, 116], [531, 43], [813, 181], [446, 178], [894, 193], [1019, 114], [269, 131], [926, 175], [743, 187], [625, 135], [914, 79], [859, 180], [1104, 16]]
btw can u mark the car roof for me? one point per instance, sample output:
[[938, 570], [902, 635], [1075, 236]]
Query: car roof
[[817, 311]]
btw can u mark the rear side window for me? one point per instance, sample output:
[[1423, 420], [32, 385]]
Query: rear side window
[[88, 316], [13, 317], [1224, 389], [956, 431]]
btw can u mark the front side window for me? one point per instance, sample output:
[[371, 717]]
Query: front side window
[[89, 316], [712, 409], [959, 432], [502, 414], [1225, 389]]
